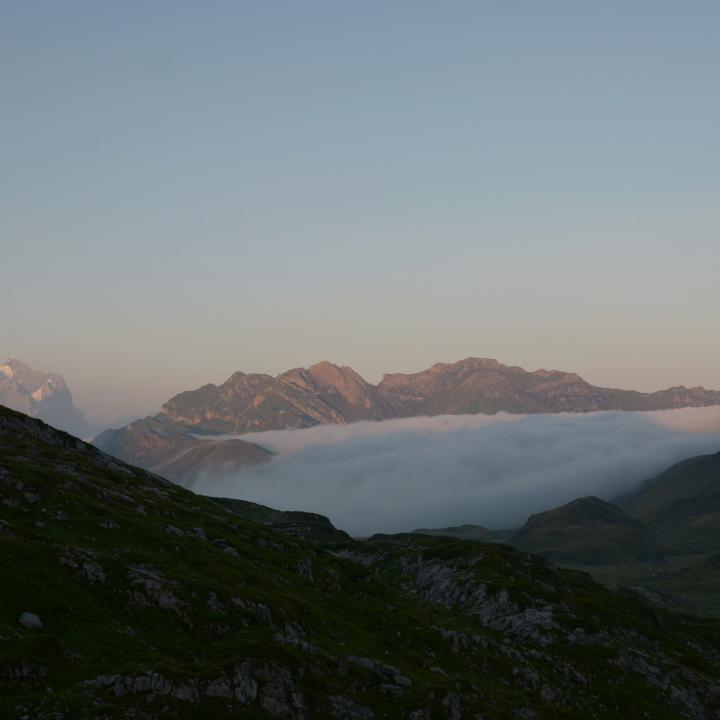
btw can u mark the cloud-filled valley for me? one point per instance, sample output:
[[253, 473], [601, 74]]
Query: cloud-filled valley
[[397, 475]]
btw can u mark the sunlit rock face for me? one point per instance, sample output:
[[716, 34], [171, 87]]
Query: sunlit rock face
[[323, 393], [327, 393], [41, 395]]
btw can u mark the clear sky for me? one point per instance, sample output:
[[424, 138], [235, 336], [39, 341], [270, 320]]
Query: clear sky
[[193, 188]]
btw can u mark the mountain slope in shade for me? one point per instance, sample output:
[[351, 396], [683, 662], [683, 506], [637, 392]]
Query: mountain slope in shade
[[467, 532], [176, 452], [588, 531], [41, 395], [682, 504], [126, 596], [326, 393], [219, 457]]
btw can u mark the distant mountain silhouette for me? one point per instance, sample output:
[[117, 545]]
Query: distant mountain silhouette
[[40, 395]]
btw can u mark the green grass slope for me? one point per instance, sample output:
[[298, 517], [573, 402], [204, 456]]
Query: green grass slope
[[682, 505], [467, 532], [157, 603], [587, 530], [307, 525]]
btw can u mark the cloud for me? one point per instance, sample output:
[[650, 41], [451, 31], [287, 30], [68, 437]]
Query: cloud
[[397, 475]]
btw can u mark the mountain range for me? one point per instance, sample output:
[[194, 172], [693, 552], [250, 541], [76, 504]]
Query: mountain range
[[41, 395], [127, 596], [326, 393]]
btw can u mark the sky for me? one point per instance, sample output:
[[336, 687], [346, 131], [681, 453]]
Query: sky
[[188, 189]]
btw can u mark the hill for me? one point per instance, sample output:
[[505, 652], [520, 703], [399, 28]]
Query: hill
[[126, 596], [178, 452], [310, 526], [588, 531], [326, 393], [466, 532], [682, 504], [219, 457]]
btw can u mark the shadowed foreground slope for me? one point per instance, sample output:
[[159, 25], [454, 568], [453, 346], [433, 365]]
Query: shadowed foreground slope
[[140, 599]]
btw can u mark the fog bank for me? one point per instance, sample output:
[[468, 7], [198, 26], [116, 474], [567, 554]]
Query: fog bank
[[397, 475]]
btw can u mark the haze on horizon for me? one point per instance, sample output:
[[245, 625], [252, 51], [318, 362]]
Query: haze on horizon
[[193, 190]]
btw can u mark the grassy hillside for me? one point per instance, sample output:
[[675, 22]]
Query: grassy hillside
[[467, 532], [125, 596], [682, 505], [587, 530], [310, 526], [686, 583]]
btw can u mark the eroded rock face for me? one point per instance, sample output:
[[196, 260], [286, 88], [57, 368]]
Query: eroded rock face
[[456, 585]]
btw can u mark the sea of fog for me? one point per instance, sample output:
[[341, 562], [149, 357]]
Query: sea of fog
[[397, 475]]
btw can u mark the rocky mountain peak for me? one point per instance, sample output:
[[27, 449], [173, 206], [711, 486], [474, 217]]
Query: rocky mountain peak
[[298, 376], [467, 365], [39, 394], [326, 373]]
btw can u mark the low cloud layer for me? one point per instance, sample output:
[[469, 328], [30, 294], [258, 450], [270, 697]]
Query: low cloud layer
[[397, 475]]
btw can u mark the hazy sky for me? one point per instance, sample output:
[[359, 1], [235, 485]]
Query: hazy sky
[[189, 189]]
